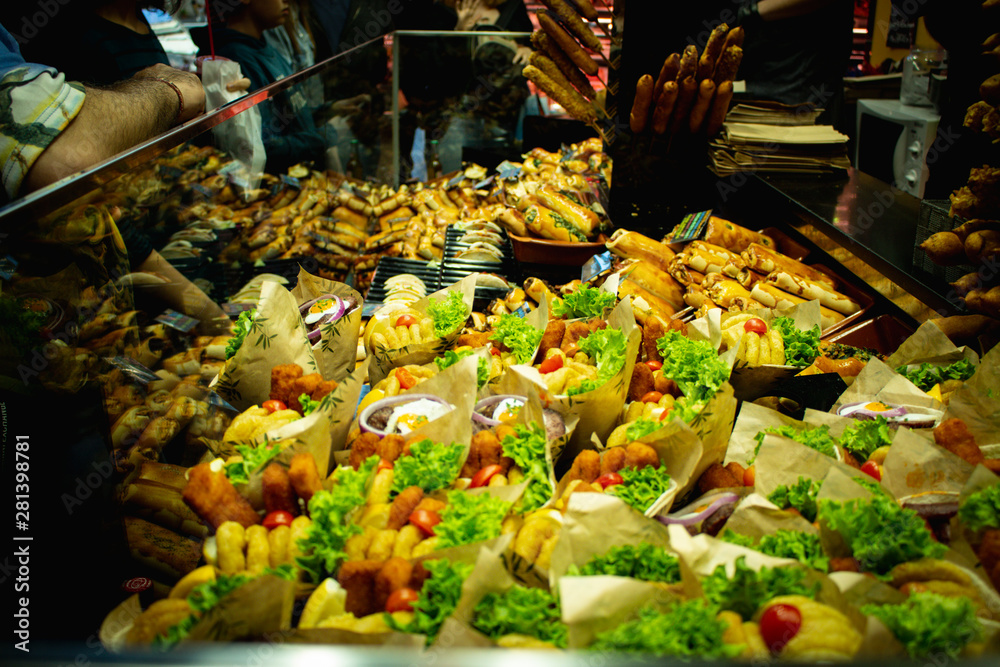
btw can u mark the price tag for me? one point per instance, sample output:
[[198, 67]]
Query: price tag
[[176, 320], [132, 369], [690, 227], [595, 265], [234, 309]]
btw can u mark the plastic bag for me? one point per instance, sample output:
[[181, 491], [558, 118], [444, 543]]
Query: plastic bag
[[240, 136]]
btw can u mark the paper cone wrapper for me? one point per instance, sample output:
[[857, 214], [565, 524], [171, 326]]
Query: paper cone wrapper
[[916, 465], [337, 349], [928, 344], [878, 381], [592, 605], [384, 360], [755, 516], [594, 523], [277, 337], [781, 461], [977, 403], [118, 622], [597, 411]]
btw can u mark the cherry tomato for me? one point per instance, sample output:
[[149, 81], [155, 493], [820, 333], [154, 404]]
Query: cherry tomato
[[749, 476], [755, 325], [406, 379], [494, 351], [609, 479], [550, 364], [871, 469], [779, 625], [654, 365], [651, 397], [384, 464], [483, 477], [273, 406], [401, 599], [425, 520], [277, 518], [406, 320]]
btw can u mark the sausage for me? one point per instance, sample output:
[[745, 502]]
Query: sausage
[[729, 63], [639, 115], [734, 38], [671, 66], [586, 9], [566, 42], [574, 103], [543, 42], [706, 89], [713, 49], [665, 106], [720, 107], [689, 62], [575, 24], [685, 99], [548, 67]]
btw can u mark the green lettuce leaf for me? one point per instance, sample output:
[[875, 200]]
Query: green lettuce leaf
[[800, 496], [641, 487], [470, 518], [694, 365], [253, 459], [864, 436], [926, 375], [688, 628], [813, 437], [429, 465], [607, 348], [438, 598], [448, 313], [803, 547], [523, 611], [527, 448], [801, 347], [308, 404], [879, 532], [642, 427], [746, 590], [244, 323], [322, 547], [518, 336], [930, 625], [644, 561], [451, 357], [585, 301], [981, 510]]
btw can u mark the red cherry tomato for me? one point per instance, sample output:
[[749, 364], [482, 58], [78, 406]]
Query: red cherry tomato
[[609, 479], [654, 365], [779, 625], [384, 464], [273, 406], [483, 477], [755, 325], [401, 599], [494, 351], [651, 397], [749, 476], [277, 518], [406, 379], [406, 320], [550, 364], [425, 520], [871, 469]]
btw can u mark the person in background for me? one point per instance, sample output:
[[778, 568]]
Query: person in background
[[797, 51], [54, 128], [289, 133]]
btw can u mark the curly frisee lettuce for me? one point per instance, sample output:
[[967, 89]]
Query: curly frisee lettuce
[[514, 333], [448, 313], [607, 348], [585, 301]]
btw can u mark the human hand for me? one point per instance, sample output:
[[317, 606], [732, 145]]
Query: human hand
[[522, 55], [237, 86], [468, 12], [188, 83]]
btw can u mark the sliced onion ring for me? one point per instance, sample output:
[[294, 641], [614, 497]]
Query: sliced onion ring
[[692, 519]]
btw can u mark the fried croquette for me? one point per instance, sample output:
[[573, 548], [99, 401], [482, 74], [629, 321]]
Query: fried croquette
[[613, 460], [954, 435], [395, 574], [276, 488], [214, 498], [403, 505], [357, 577], [586, 466], [304, 475]]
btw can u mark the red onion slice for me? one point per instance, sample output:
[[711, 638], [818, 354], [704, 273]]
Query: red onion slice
[[692, 519]]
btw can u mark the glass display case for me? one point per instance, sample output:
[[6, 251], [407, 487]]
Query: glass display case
[[83, 326]]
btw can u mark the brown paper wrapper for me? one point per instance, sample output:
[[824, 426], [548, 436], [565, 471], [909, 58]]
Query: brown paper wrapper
[[928, 344], [336, 351], [595, 522], [592, 605], [916, 465], [977, 403], [278, 337], [384, 360], [598, 410], [878, 381], [755, 516]]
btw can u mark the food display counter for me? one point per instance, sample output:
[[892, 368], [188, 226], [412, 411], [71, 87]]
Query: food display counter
[[494, 408]]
